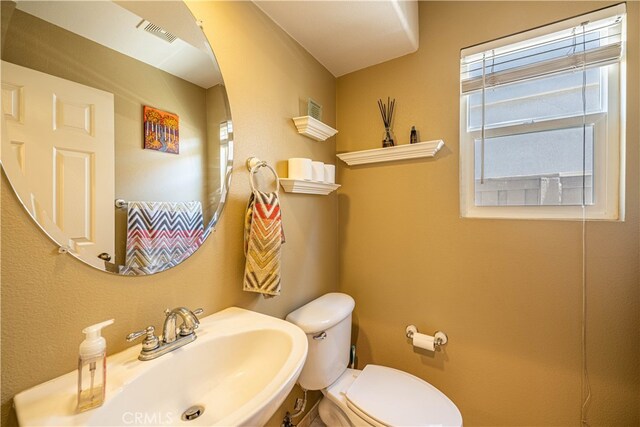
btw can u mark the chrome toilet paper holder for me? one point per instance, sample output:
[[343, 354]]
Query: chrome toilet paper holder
[[439, 337]]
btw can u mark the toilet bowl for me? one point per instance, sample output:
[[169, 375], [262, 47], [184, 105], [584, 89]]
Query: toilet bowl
[[373, 396]]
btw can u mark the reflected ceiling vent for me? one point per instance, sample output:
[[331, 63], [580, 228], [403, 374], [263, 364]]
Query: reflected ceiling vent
[[157, 31]]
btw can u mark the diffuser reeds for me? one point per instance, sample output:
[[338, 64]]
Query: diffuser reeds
[[386, 111]]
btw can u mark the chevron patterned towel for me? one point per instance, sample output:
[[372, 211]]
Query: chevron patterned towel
[[161, 234], [263, 237]]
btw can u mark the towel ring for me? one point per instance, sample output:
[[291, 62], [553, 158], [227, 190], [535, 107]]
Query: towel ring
[[254, 164]]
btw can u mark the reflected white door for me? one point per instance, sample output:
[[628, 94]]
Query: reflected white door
[[58, 151]]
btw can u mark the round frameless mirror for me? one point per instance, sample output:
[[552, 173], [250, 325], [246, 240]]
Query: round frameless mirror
[[116, 128]]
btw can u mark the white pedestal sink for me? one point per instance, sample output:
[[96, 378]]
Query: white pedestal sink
[[239, 371]]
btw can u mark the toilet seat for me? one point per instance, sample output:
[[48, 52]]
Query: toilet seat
[[384, 396]]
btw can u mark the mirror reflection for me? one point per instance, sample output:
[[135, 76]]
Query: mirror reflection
[[116, 133]]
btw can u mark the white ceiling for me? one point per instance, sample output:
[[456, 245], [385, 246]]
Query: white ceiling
[[344, 35], [114, 25], [348, 35]]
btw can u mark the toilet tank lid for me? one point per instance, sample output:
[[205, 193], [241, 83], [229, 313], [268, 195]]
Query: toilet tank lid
[[322, 313]]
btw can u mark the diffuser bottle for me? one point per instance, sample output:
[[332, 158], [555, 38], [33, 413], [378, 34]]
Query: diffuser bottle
[[92, 368], [388, 137]]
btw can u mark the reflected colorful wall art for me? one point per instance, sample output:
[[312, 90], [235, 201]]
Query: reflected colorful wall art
[[161, 130]]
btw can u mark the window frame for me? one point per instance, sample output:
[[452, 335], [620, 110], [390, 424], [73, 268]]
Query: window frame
[[608, 158]]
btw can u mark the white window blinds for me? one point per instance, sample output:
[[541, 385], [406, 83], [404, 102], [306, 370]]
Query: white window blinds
[[542, 121], [592, 40]]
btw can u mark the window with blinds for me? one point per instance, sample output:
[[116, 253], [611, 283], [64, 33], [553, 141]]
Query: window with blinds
[[542, 120]]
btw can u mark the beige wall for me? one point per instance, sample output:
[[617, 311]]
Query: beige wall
[[48, 298], [508, 293]]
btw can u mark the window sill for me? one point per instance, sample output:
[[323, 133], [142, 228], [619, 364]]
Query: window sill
[[563, 213]]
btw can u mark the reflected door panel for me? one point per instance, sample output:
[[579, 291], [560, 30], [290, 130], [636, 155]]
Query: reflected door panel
[[62, 144]]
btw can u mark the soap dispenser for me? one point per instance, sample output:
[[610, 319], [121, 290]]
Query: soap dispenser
[[92, 367]]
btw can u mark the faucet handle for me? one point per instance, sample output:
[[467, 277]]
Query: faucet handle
[[150, 342]]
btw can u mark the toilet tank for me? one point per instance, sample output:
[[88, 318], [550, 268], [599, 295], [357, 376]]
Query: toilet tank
[[327, 323]]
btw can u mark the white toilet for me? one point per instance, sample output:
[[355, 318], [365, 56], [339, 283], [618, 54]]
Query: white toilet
[[374, 396]]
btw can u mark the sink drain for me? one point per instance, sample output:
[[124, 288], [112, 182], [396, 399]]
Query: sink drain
[[192, 413]]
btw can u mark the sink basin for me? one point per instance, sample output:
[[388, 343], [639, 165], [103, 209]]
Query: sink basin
[[238, 372]]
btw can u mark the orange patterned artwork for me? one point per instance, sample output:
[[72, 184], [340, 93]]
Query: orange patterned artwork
[[161, 130]]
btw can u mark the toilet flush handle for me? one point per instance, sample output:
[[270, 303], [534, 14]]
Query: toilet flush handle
[[322, 335]]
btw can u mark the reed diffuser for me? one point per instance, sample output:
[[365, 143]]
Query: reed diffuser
[[386, 110]]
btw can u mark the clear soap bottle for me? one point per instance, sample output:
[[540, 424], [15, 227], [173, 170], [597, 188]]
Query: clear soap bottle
[[92, 367]]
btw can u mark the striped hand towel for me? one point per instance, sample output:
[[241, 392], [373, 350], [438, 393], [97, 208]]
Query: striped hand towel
[[161, 234], [263, 238]]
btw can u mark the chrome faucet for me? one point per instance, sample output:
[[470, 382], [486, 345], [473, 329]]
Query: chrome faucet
[[189, 324], [172, 336]]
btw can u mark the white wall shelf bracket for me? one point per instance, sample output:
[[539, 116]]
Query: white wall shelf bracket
[[307, 187], [390, 154], [314, 129]]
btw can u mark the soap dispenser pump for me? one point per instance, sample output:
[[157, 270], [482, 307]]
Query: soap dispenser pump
[[92, 367]]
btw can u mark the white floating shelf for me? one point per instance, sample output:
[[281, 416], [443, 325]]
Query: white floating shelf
[[390, 154], [307, 187], [314, 129]]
